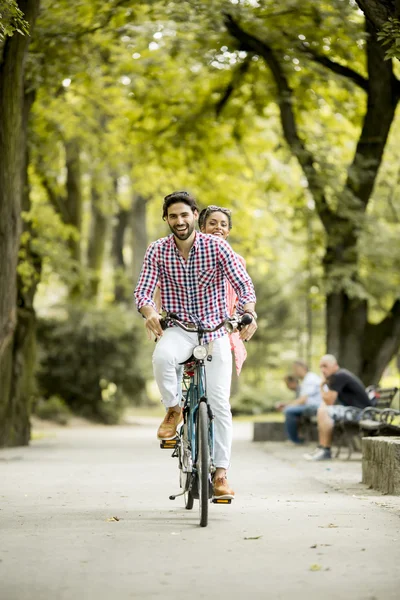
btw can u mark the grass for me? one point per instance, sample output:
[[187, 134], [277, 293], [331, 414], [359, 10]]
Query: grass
[[41, 435], [263, 418]]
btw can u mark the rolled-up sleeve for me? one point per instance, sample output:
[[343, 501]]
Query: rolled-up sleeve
[[148, 278], [237, 276]]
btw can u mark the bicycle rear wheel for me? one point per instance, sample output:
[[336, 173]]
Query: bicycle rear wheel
[[203, 462]]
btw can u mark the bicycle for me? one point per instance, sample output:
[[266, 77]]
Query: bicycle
[[194, 444]]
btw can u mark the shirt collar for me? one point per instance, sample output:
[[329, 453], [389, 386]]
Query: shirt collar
[[194, 247]]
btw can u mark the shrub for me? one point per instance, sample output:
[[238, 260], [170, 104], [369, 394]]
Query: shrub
[[250, 401], [256, 401], [53, 409], [90, 357]]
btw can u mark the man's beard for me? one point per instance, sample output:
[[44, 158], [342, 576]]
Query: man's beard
[[184, 234]]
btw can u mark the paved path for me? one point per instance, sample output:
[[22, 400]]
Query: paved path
[[320, 534]]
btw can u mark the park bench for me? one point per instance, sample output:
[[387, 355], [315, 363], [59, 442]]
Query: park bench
[[348, 431], [378, 419]]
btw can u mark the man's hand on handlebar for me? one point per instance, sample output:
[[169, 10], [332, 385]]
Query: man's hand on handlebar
[[248, 331], [153, 326]]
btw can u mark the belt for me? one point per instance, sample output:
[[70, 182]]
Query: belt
[[190, 325]]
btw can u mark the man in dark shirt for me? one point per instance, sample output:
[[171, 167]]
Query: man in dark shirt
[[350, 390], [339, 389]]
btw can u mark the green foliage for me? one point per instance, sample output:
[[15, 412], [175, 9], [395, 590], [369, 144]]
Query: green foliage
[[53, 409], [91, 358], [250, 401], [390, 37], [143, 107], [253, 400], [11, 19]]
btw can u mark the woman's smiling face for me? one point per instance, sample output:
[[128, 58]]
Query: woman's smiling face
[[217, 223]]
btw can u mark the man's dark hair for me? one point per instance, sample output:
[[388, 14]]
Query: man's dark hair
[[178, 197], [291, 379]]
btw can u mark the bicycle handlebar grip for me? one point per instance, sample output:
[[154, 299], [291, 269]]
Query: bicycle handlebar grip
[[246, 319]]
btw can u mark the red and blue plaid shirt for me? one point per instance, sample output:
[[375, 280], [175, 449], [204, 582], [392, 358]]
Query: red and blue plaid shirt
[[194, 289]]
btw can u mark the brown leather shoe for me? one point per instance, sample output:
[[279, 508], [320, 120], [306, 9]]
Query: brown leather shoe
[[167, 429], [222, 490]]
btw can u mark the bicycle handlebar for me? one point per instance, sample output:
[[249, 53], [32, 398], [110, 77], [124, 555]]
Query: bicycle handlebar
[[231, 324]]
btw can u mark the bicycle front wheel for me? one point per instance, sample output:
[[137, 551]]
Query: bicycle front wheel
[[203, 462]]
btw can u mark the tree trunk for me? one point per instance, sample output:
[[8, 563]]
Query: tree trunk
[[74, 195], [121, 293], [24, 351], [348, 330], [74, 210], [97, 241], [381, 344], [139, 234], [14, 424], [378, 12]]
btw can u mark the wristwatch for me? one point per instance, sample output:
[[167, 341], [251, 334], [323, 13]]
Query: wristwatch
[[252, 313]]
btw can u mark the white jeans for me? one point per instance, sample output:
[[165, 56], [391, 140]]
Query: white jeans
[[176, 346]]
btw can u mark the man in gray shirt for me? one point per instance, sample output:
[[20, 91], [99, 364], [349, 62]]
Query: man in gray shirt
[[307, 402]]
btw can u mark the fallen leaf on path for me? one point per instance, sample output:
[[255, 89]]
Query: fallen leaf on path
[[313, 546], [112, 519], [315, 568], [255, 537]]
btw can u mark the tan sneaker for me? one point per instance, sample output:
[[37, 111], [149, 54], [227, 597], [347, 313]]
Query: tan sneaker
[[222, 490], [167, 429]]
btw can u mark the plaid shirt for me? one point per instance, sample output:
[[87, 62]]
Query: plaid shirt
[[194, 289]]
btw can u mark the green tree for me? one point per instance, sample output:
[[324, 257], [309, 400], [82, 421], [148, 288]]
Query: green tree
[[360, 345], [14, 425]]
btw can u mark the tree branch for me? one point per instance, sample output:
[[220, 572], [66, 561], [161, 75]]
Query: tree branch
[[252, 44], [57, 201], [337, 68], [237, 77]]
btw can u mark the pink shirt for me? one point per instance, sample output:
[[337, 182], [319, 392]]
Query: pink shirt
[[238, 347]]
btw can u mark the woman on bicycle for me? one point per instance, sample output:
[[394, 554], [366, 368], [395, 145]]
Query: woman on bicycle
[[217, 220]]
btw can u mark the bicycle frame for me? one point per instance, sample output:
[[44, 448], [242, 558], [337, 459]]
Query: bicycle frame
[[194, 446], [195, 389]]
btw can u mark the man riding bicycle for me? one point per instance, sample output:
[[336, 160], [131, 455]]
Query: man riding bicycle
[[191, 268]]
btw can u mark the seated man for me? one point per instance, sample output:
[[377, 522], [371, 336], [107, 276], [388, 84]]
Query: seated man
[[307, 402], [292, 384], [340, 389]]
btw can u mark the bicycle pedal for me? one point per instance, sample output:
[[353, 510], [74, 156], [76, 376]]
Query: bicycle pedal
[[169, 444], [221, 500]]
